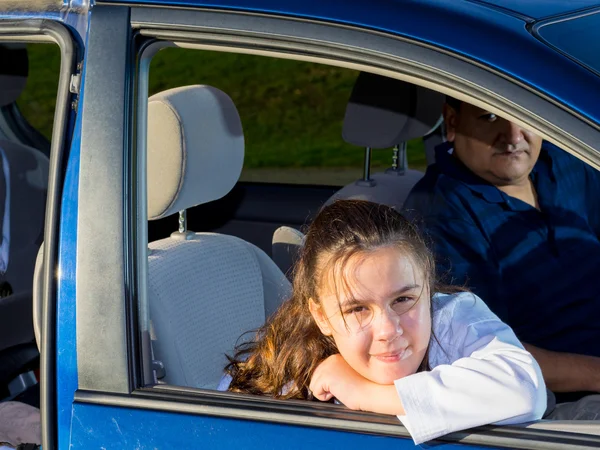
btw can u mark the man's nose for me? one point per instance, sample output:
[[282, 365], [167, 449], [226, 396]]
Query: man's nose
[[513, 133]]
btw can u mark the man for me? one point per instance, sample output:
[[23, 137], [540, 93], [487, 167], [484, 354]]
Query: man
[[517, 220]]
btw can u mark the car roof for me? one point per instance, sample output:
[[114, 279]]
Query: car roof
[[332, 9], [496, 35], [540, 9]]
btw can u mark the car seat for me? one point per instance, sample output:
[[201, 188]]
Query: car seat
[[386, 113], [382, 113], [205, 289]]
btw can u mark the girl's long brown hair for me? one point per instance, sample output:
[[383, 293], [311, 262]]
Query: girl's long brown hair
[[284, 353]]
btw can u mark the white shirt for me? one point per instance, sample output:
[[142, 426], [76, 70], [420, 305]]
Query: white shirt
[[481, 374]]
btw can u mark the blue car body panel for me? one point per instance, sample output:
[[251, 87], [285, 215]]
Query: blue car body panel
[[567, 36], [140, 429], [66, 338], [539, 9]]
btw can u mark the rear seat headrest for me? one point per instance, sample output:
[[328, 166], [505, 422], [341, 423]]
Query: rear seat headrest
[[195, 148], [383, 112], [13, 76]]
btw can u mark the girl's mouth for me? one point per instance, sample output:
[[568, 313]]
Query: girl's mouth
[[391, 357]]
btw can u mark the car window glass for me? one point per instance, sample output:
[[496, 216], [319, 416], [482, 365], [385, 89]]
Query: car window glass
[[38, 100], [292, 114]]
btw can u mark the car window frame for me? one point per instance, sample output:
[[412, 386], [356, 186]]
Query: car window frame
[[36, 31], [253, 33]]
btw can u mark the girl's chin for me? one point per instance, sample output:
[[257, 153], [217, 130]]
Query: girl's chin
[[389, 376]]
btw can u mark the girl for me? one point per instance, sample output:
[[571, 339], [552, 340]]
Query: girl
[[368, 325]]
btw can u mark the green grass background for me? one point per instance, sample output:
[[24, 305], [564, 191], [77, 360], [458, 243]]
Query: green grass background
[[292, 111]]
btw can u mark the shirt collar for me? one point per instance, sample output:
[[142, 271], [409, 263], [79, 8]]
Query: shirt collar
[[452, 167]]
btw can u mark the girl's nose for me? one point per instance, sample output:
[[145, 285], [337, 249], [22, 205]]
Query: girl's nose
[[388, 326]]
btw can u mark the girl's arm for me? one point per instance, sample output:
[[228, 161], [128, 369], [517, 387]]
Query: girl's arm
[[335, 378], [481, 374]]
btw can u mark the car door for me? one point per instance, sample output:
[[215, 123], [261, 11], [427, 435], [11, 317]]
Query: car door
[[107, 395], [33, 24]]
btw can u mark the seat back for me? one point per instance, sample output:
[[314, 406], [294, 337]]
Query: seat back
[[205, 289], [381, 113], [384, 113], [286, 245]]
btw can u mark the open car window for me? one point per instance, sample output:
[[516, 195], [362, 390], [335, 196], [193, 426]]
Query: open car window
[[292, 118]]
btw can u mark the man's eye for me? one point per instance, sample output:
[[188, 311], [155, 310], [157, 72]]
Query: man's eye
[[402, 299], [490, 117]]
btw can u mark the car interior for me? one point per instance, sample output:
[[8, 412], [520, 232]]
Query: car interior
[[24, 184], [206, 289]]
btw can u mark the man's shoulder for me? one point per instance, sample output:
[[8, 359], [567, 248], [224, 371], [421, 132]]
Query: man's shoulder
[[560, 157], [569, 172], [437, 194]]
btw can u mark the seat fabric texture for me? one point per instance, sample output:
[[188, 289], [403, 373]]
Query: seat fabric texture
[[205, 289]]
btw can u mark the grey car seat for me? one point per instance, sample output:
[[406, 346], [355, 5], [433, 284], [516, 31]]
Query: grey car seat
[[205, 289], [381, 113], [386, 113]]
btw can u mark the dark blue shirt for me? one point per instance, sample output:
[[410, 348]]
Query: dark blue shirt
[[538, 270]]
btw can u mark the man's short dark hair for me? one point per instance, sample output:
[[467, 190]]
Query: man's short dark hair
[[454, 103]]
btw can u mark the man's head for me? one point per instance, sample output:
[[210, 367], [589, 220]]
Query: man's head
[[500, 152]]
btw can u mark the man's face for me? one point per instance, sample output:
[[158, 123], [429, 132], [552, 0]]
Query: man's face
[[493, 148]]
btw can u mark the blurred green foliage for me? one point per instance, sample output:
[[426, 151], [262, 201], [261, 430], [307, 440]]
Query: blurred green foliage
[[292, 111], [39, 97]]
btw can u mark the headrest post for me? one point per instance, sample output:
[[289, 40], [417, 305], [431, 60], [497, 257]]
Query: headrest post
[[366, 179], [367, 166], [402, 157], [399, 160], [395, 157], [183, 233], [182, 221]]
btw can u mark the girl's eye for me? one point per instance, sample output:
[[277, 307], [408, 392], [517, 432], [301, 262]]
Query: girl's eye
[[403, 304], [490, 117], [355, 310]]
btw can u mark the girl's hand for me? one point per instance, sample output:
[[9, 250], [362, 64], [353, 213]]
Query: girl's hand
[[335, 378]]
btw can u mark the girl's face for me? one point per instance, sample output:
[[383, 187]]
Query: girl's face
[[378, 314]]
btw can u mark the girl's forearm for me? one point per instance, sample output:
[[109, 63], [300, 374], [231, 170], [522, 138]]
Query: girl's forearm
[[383, 400]]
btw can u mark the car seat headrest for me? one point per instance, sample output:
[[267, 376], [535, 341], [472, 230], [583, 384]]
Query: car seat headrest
[[195, 148], [383, 112], [13, 75]]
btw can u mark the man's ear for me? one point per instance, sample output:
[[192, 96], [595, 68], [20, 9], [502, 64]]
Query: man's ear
[[450, 121], [318, 315]]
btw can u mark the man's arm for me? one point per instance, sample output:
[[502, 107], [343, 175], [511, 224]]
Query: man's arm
[[567, 372]]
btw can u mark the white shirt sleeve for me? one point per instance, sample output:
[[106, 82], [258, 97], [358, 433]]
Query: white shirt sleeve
[[481, 374]]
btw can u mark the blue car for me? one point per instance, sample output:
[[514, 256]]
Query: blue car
[[132, 311]]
